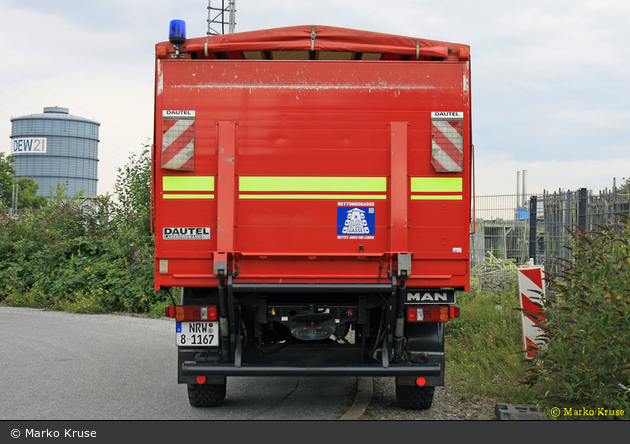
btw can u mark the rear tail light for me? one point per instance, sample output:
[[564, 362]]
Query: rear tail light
[[192, 313], [431, 313], [201, 379], [453, 312]]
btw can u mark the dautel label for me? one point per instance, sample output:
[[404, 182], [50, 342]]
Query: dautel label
[[186, 233]]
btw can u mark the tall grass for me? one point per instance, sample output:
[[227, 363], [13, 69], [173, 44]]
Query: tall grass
[[484, 347]]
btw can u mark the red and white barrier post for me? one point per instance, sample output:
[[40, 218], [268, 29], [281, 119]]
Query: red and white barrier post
[[532, 290]]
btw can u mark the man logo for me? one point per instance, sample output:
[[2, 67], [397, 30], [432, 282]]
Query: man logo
[[427, 297]]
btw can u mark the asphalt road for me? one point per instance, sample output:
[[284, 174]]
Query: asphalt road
[[62, 366]]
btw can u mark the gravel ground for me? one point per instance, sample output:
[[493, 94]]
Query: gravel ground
[[447, 405]]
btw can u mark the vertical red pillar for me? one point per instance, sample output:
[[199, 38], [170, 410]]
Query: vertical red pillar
[[399, 187], [226, 193]]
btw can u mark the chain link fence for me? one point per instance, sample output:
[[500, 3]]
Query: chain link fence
[[517, 227]]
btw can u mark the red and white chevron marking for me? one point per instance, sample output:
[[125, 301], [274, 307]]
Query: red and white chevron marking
[[447, 147], [178, 144], [532, 289]]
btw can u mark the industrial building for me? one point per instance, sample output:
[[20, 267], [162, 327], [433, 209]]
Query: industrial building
[[54, 148]]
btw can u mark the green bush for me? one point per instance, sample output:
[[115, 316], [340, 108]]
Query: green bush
[[585, 362], [53, 259], [82, 256]]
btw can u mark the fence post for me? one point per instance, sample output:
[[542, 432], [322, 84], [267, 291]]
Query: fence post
[[533, 200], [583, 209]]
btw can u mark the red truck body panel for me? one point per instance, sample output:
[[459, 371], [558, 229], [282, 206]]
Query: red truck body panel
[[312, 171]]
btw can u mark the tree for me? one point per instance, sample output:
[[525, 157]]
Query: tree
[[27, 194], [6, 180], [27, 187], [133, 190]]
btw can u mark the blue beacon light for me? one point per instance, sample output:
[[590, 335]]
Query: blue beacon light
[[177, 32]]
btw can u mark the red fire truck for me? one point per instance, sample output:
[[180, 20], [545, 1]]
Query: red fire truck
[[312, 198]]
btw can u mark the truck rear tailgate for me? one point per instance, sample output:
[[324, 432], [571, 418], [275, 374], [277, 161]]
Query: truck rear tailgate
[[311, 171]]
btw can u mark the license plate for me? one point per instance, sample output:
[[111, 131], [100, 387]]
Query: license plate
[[204, 334]]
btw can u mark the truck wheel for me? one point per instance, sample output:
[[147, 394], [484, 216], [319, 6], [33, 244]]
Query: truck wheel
[[206, 395], [413, 397]]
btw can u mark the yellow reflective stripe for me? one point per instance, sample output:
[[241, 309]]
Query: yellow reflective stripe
[[188, 196], [436, 197], [315, 196], [312, 184], [436, 184], [188, 183]]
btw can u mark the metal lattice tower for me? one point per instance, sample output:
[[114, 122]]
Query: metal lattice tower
[[219, 17]]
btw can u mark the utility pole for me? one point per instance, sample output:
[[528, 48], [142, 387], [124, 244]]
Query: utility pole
[[14, 199]]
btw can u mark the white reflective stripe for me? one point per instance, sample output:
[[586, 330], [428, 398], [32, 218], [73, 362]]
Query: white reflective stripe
[[447, 147], [182, 157], [445, 160], [175, 131], [450, 133]]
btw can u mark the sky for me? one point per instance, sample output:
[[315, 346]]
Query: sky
[[550, 79]]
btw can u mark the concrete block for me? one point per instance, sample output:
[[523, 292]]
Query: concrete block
[[504, 411]]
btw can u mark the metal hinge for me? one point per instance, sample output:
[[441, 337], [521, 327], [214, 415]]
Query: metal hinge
[[313, 36], [404, 264]]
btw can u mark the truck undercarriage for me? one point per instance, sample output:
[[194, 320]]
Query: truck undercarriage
[[314, 330]]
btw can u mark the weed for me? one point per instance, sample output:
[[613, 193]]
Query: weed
[[586, 360]]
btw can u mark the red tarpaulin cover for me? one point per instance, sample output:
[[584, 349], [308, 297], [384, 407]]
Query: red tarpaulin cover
[[324, 38]]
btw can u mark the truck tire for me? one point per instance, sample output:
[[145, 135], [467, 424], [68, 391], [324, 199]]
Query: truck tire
[[413, 397], [206, 395]]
